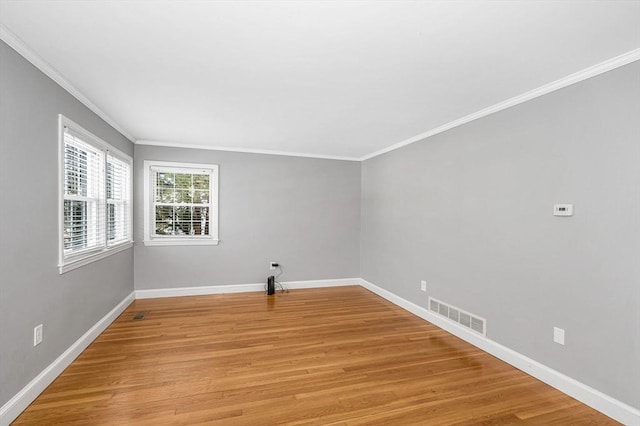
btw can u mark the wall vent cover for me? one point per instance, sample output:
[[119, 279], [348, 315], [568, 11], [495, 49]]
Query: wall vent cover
[[465, 319]]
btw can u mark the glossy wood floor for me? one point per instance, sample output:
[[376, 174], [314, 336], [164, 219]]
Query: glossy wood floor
[[335, 356]]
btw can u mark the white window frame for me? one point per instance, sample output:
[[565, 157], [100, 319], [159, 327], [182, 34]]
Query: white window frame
[[150, 239], [73, 260], [124, 203]]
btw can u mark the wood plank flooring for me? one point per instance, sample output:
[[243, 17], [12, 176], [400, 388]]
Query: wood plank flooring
[[334, 356]]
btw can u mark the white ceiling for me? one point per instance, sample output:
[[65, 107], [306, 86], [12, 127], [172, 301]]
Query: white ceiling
[[326, 78]]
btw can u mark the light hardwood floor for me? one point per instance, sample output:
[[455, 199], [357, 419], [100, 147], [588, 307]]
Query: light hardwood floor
[[334, 356]]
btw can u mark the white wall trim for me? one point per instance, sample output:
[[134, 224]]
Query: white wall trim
[[197, 291], [244, 150], [321, 283], [106, 252], [21, 47], [613, 408], [30, 392], [239, 288], [608, 65]]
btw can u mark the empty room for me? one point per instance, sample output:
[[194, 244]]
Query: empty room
[[320, 212]]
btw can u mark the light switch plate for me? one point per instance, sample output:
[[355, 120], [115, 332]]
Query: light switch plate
[[558, 335], [37, 335]]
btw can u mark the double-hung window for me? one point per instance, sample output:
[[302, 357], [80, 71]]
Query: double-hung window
[[95, 197], [118, 199], [181, 203]]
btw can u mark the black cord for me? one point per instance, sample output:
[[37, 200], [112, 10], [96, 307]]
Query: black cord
[[279, 283], [282, 288]]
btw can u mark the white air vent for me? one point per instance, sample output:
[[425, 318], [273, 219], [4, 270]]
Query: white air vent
[[470, 321]]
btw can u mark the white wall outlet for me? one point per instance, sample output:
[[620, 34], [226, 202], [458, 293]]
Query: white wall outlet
[[558, 335], [272, 265], [563, 210], [37, 335], [423, 285]]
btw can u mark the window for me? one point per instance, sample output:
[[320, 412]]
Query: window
[[181, 203], [95, 197], [118, 199]]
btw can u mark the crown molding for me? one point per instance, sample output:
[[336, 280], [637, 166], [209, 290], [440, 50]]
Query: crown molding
[[602, 67], [24, 50], [244, 150], [19, 46]]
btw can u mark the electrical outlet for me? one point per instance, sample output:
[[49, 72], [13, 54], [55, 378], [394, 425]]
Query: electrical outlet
[[37, 335], [558, 335], [273, 265], [423, 285]]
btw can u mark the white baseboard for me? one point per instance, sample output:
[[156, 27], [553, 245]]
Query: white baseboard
[[197, 291], [239, 288], [321, 283], [613, 408], [30, 392]]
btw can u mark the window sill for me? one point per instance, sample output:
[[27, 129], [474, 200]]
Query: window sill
[[72, 264], [181, 242]]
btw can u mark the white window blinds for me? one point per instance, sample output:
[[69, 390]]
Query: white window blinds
[[84, 207], [95, 197], [182, 202], [118, 200]]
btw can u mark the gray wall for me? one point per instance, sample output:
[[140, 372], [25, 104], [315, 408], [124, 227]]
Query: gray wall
[[31, 290], [470, 211], [301, 212]]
